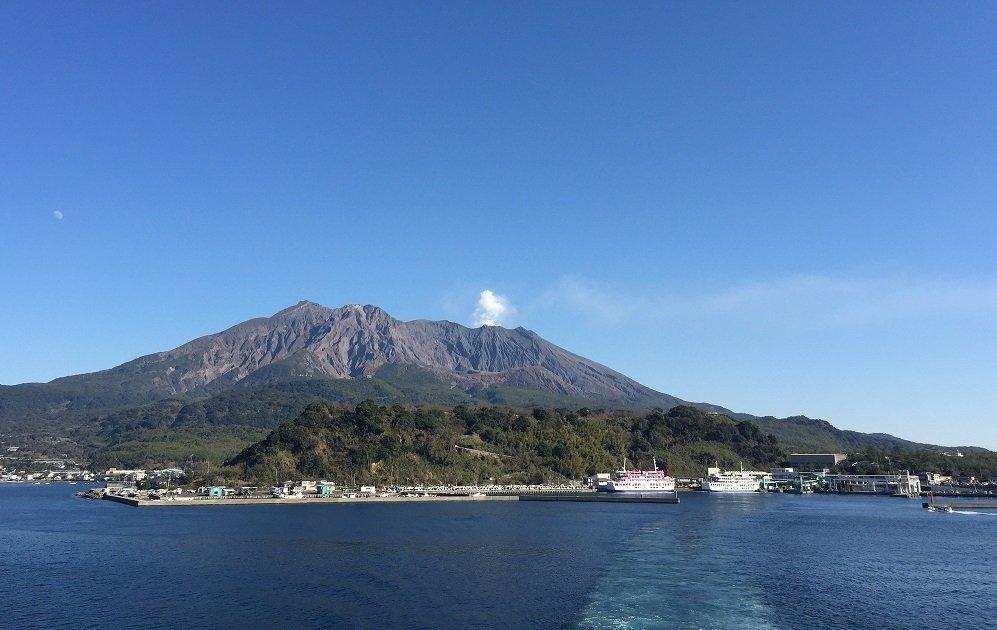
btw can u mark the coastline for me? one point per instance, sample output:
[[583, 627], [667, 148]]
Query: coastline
[[204, 501]]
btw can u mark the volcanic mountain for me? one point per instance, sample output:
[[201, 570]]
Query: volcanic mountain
[[310, 340], [265, 371], [489, 364]]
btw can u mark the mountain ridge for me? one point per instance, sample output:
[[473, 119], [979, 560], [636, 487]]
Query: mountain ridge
[[349, 342], [266, 369]]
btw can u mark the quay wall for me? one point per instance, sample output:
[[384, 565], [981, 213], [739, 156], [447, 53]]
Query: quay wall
[[200, 501]]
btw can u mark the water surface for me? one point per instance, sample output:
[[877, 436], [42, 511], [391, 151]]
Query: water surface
[[745, 561]]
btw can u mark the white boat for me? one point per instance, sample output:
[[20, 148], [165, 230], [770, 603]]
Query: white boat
[[734, 482], [652, 481]]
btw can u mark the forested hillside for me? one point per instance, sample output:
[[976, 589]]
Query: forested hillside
[[980, 464], [376, 444]]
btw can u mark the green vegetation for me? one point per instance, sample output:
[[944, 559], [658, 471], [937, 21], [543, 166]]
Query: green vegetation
[[128, 422], [799, 434], [872, 461], [376, 444], [184, 446]]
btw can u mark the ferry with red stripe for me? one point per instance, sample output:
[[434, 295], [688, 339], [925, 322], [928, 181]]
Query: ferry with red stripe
[[652, 481]]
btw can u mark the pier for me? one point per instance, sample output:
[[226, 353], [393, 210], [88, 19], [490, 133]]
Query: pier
[[602, 497], [310, 500]]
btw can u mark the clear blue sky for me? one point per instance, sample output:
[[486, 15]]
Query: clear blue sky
[[779, 207]]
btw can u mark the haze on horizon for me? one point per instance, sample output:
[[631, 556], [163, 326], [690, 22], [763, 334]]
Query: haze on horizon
[[779, 208]]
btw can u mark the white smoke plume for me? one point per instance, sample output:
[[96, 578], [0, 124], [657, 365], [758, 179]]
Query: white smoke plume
[[492, 310]]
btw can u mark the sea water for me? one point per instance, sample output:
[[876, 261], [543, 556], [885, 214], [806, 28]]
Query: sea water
[[713, 561]]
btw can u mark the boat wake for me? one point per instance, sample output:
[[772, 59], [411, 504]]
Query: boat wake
[[650, 586]]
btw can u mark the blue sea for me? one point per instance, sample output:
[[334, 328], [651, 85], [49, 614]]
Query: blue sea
[[713, 561]]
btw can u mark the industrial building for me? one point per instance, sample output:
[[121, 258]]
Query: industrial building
[[815, 460]]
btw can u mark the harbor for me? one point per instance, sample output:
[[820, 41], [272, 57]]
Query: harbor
[[811, 474]]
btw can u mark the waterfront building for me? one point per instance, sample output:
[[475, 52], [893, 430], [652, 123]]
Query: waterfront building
[[216, 491], [326, 488], [120, 487], [598, 481], [815, 460], [115, 474], [904, 484], [932, 479]]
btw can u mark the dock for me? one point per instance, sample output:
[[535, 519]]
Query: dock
[[602, 497], [204, 501]]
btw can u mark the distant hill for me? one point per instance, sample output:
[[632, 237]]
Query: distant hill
[[808, 435]]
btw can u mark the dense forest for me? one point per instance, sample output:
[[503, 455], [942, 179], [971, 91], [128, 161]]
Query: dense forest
[[979, 464], [421, 444]]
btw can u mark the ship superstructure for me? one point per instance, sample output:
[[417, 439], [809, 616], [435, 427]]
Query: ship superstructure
[[733, 481], [640, 481]]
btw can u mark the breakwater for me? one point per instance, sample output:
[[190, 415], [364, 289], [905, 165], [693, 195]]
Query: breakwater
[[602, 497], [205, 501]]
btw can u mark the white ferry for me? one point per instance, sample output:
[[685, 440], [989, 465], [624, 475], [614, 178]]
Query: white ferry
[[741, 481], [640, 481]]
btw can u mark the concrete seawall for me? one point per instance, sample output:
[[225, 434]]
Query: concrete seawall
[[205, 501], [603, 497]]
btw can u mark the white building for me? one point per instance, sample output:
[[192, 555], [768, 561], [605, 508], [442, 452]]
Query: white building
[[904, 484]]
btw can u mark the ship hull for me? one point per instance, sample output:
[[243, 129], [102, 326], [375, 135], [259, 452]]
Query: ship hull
[[718, 491]]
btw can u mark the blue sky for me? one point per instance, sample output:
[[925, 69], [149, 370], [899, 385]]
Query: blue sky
[[779, 207]]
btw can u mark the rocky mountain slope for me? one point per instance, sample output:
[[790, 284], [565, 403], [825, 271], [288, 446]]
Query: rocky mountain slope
[[233, 384], [486, 364]]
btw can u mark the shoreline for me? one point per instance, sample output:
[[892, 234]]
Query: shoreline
[[581, 496], [199, 501]]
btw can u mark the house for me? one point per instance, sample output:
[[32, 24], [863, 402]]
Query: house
[[326, 489], [216, 491], [932, 479], [120, 487], [114, 474]]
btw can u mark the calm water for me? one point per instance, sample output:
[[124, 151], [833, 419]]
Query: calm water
[[714, 561]]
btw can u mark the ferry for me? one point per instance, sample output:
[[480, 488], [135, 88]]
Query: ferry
[[740, 482], [652, 481]]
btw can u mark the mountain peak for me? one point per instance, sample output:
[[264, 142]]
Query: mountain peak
[[301, 307], [358, 341], [307, 306]]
